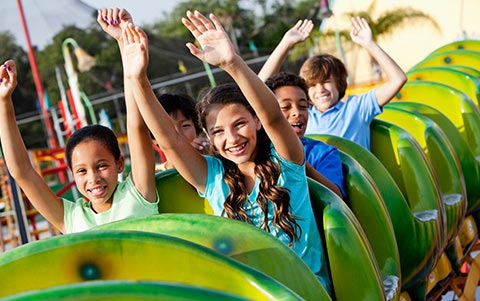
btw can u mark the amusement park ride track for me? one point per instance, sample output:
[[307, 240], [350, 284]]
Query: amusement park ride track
[[409, 231]]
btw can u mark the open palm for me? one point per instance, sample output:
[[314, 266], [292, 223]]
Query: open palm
[[135, 51], [299, 32], [361, 32], [216, 47]]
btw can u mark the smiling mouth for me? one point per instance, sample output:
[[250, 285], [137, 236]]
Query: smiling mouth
[[237, 149], [322, 97], [297, 127], [97, 191]]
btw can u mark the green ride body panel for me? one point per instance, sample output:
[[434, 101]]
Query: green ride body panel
[[134, 256]]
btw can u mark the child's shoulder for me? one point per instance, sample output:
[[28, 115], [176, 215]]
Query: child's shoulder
[[315, 145], [357, 97]]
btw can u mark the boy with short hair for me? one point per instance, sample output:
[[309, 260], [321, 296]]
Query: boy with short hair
[[324, 161], [326, 78]]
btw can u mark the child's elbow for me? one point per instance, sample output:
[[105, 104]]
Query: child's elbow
[[402, 78], [399, 80]]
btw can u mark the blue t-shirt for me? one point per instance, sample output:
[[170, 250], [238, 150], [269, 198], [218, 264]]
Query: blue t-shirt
[[292, 177], [326, 160], [350, 119]]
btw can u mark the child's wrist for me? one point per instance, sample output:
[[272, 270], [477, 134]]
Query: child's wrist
[[287, 44], [232, 64]]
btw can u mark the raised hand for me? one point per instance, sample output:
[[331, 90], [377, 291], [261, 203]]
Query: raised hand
[[216, 47], [113, 20], [299, 32], [8, 79], [135, 51], [201, 144], [361, 32]]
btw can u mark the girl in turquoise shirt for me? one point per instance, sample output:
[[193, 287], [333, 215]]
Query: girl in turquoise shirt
[[258, 172]]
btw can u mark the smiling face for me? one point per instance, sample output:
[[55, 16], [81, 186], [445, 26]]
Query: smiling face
[[294, 105], [232, 129], [324, 94], [95, 171]]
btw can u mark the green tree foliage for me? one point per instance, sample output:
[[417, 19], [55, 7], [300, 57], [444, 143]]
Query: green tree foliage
[[263, 22], [25, 95]]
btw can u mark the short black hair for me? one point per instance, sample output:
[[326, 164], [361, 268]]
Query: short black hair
[[96, 132], [286, 78], [174, 102]]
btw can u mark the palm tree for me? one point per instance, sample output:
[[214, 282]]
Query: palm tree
[[384, 25]]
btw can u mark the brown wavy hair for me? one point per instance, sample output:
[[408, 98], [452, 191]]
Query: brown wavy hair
[[319, 68], [266, 170]]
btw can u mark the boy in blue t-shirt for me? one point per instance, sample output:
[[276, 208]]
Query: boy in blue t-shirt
[[324, 161], [326, 79]]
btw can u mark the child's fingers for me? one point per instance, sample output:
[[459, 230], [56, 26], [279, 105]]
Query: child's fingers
[[3, 74], [134, 34], [128, 34], [298, 25], [355, 22], [102, 17], [194, 50], [8, 73], [10, 66], [205, 22], [142, 36], [125, 15], [191, 27], [216, 22], [307, 26], [363, 23], [115, 16], [124, 35], [303, 25], [110, 16], [196, 22]]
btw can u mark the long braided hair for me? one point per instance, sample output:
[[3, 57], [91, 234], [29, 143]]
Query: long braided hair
[[266, 170]]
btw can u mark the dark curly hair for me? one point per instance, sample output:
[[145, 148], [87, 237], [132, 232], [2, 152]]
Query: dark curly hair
[[319, 68], [286, 78], [267, 170], [96, 132]]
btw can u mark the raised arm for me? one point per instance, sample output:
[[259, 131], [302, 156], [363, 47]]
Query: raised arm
[[297, 34], [16, 156], [186, 159], [218, 50], [142, 156], [396, 78], [317, 176]]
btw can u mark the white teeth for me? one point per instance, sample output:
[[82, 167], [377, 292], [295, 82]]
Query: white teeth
[[236, 149], [96, 190]]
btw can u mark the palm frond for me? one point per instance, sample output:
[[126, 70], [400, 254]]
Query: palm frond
[[391, 20]]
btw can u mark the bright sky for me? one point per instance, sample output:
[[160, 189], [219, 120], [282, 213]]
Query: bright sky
[[46, 18], [143, 11]]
